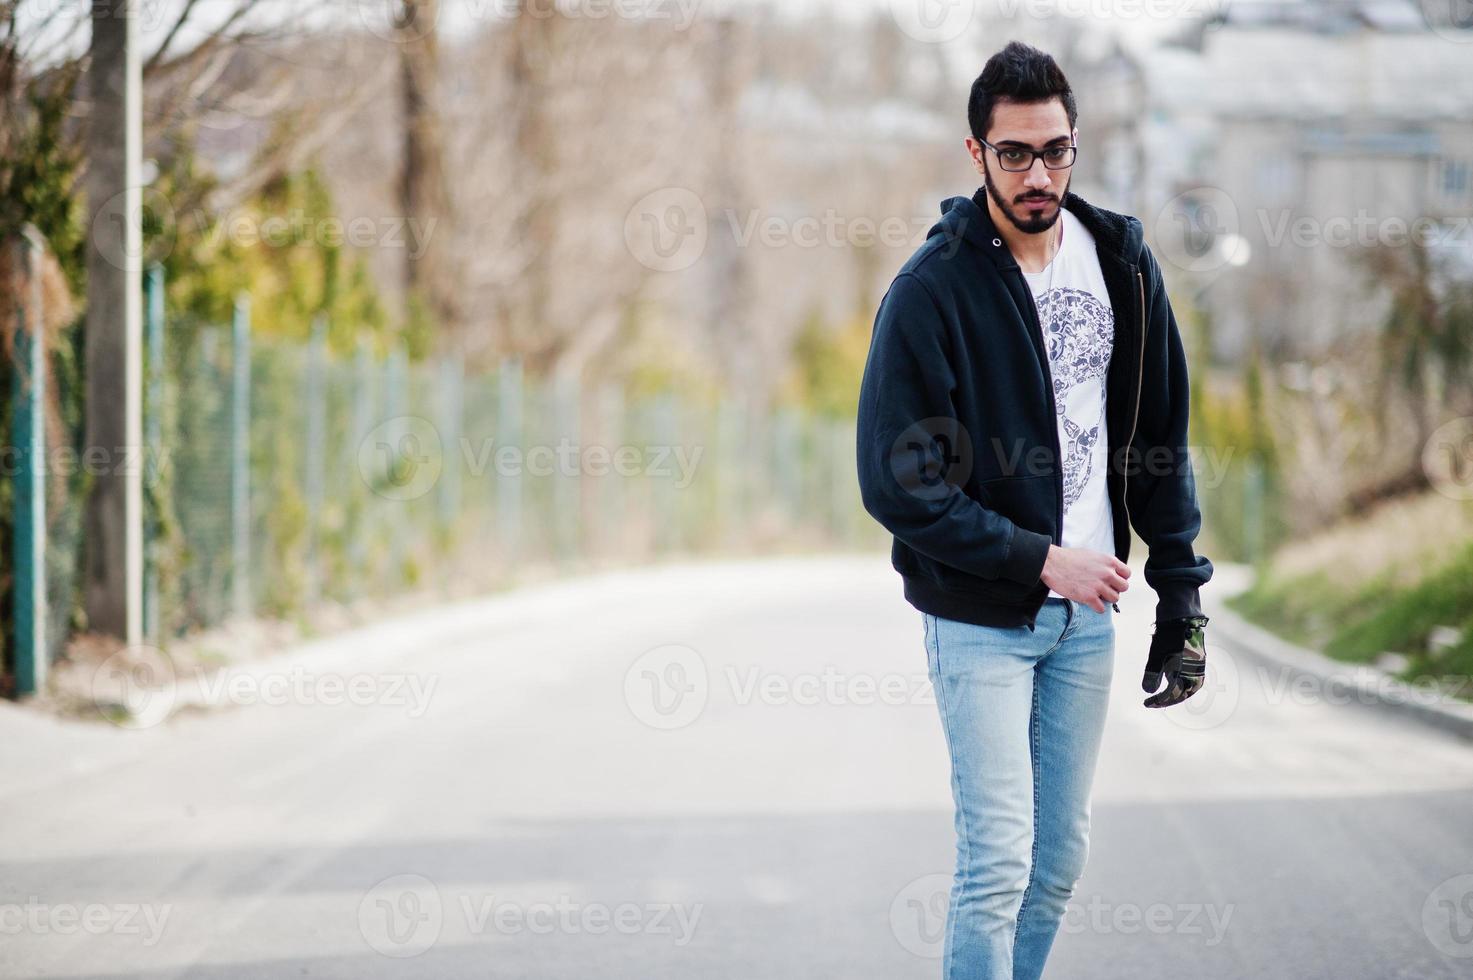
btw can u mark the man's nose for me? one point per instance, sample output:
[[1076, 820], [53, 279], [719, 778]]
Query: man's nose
[[1038, 175]]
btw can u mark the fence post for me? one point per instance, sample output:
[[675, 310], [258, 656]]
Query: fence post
[[509, 431], [396, 385], [730, 470], [154, 441], [363, 403], [842, 479], [611, 519], [667, 506], [316, 475], [32, 653], [452, 410], [567, 492], [240, 457]]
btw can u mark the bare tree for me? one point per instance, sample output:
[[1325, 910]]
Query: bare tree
[[430, 274]]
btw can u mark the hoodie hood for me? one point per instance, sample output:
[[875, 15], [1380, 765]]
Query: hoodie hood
[[967, 218]]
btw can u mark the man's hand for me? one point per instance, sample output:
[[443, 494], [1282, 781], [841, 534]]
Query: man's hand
[[1091, 577], [1178, 651]]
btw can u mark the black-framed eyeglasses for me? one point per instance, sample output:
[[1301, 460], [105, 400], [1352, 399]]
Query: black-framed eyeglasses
[[1017, 159]]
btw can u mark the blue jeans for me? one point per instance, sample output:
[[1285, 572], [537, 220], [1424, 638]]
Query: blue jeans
[[1023, 713]]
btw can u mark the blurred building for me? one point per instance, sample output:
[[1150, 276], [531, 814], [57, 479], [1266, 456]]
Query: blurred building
[[1310, 129]]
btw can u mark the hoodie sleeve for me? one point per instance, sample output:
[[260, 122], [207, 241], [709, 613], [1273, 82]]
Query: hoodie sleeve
[[914, 454], [1161, 492]]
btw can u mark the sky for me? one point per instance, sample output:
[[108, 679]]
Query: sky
[[932, 21]]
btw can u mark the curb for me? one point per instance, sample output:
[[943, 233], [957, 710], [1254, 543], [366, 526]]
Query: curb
[[1354, 683]]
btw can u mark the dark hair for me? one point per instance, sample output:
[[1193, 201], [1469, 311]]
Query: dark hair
[[1017, 73]]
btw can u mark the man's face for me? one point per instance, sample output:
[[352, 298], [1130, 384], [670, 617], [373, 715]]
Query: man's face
[[1031, 200]]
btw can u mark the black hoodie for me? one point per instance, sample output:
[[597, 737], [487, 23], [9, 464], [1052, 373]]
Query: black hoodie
[[958, 446]]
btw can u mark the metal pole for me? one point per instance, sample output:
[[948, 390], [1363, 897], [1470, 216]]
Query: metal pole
[[153, 422], [316, 450], [32, 656], [113, 573], [240, 461], [509, 487]]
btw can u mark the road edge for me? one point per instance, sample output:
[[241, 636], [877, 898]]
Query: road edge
[[1355, 683]]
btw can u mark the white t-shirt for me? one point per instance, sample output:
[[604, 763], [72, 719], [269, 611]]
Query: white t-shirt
[[1079, 331]]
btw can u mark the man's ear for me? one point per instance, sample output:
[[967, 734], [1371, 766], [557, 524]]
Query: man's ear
[[967, 142]]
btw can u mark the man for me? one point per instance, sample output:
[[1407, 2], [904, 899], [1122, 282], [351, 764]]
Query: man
[[1024, 404]]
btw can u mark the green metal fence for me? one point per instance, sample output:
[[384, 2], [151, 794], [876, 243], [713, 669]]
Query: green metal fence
[[293, 474], [280, 475]]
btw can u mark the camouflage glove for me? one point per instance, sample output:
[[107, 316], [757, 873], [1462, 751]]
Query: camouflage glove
[[1179, 652]]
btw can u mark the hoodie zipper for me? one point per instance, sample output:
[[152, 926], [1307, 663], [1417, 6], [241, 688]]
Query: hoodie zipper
[[1048, 374], [1140, 378]]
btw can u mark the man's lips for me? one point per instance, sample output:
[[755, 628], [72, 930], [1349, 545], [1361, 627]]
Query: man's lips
[[1037, 202]]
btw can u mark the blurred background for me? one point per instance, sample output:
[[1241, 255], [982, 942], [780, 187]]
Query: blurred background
[[515, 344]]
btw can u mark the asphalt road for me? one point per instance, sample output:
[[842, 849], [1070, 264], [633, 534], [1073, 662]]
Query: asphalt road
[[716, 771]]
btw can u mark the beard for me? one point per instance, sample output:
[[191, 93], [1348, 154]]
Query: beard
[[1028, 224]]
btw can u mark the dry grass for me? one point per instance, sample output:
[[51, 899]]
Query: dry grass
[[1405, 538]]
